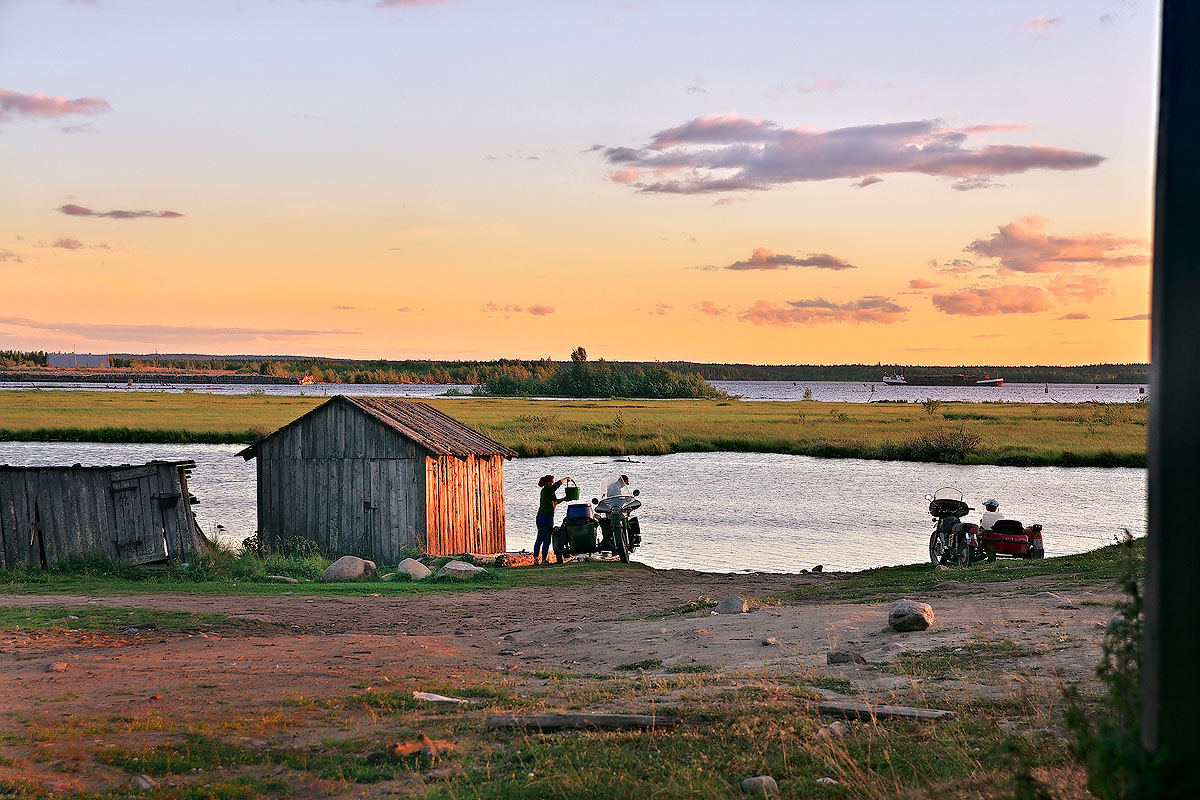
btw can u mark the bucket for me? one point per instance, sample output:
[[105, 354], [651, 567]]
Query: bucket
[[571, 489]]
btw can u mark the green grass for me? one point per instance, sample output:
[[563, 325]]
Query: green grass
[[109, 619], [1020, 434], [961, 661], [246, 574], [1099, 566]]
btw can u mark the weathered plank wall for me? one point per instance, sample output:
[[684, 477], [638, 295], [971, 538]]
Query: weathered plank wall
[[345, 481], [131, 515], [465, 498]]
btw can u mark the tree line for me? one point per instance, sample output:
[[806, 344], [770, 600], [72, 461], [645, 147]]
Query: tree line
[[511, 373]]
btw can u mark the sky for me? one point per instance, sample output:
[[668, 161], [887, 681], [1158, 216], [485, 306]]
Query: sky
[[765, 182]]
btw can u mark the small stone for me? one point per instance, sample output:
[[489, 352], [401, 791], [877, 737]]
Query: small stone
[[413, 569], [460, 571], [767, 641], [1115, 625], [282, 579], [941, 568], [349, 568], [762, 785], [145, 782], [845, 657], [1055, 600], [909, 615], [58, 666], [733, 605], [835, 730], [819, 568], [826, 781]]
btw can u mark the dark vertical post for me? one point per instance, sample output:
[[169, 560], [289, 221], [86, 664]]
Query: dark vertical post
[[1171, 647]]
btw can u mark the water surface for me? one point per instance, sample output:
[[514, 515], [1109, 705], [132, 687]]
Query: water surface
[[724, 512], [839, 391]]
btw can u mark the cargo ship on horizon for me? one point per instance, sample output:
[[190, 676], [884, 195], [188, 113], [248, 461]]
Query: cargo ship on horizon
[[941, 380]]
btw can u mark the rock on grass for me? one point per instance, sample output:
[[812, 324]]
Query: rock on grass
[[349, 568], [909, 615], [460, 571], [761, 786]]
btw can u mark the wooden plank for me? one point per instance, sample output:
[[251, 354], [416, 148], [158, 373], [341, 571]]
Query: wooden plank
[[581, 720], [848, 709], [29, 545], [8, 521]]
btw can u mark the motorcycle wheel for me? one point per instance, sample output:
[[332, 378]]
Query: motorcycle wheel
[[621, 540], [966, 556], [936, 548]]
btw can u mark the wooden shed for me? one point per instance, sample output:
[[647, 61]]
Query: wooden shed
[[370, 477], [129, 514]]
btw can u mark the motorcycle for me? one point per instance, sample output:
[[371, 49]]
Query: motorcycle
[[966, 543], [601, 526]]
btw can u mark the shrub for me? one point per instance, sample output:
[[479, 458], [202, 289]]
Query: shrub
[[1108, 744]]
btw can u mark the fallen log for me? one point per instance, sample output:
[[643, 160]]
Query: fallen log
[[607, 722], [851, 710]]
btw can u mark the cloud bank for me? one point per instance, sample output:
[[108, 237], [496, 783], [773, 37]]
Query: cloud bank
[[536, 309], [1023, 246], [72, 210], [165, 333], [726, 153], [983, 302], [764, 259], [870, 309], [15, 104]]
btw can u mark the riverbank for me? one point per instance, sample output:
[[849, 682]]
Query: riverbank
[[1017, 434], [295, 690]]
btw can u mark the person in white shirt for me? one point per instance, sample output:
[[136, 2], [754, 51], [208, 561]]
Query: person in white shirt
[[617, 487], [990, 515]]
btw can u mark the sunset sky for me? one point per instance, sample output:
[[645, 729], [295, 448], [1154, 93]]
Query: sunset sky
[[769, 182]]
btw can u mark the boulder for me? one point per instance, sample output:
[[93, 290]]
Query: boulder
[[414, 569], [349, 568], [460, 571], [909, 615], [761, 785], [733, 605]]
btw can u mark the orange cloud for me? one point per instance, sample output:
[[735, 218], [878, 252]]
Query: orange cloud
[[920, 283], [625, 175], [1023, 246], [980, 302], [710, 308]]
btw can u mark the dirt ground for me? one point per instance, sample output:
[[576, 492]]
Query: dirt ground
[[280, 648]]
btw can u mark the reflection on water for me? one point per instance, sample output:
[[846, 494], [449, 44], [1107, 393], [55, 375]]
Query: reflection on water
[[726, 512], [829, 391]]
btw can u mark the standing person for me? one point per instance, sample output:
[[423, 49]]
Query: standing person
[[545, 517], [617, 487]]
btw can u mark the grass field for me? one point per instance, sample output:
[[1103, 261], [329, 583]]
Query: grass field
[[1088, 434]]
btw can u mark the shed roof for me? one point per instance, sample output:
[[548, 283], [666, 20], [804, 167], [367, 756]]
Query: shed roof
[[438, 433]]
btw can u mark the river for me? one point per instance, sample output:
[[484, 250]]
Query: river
[[840, 391], [723, 512]]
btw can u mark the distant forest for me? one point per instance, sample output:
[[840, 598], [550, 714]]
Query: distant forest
[[331, 370]]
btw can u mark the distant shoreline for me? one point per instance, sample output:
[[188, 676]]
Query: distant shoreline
[[140, 378], [1003, 434]]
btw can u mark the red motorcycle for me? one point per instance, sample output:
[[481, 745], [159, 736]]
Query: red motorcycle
[[966, 543]]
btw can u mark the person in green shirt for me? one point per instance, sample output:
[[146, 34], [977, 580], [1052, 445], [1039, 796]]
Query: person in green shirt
[[545, 517]]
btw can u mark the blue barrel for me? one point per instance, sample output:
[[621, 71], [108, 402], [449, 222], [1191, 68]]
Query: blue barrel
[[579, 511]]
